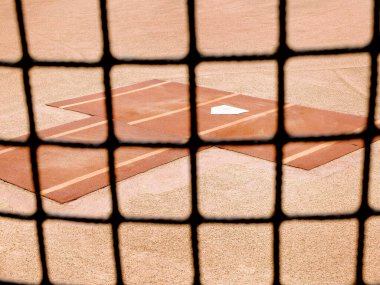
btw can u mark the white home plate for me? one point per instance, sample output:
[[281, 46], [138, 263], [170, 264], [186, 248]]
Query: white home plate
[[227, 110]]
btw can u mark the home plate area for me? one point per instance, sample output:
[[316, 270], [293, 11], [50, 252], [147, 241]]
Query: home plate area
[[158, 110]]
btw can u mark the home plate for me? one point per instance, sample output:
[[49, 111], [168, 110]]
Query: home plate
[[162, 107], [158, 111], [227, 110]]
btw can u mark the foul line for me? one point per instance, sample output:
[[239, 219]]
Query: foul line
[[113, 96], [180, 110], [61, 134], [147, 155]]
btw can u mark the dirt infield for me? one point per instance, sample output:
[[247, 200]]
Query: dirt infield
[[230, 184]]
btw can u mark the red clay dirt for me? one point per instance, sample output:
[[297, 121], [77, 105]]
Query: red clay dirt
[[141, 100], [69, 173], [163, 107], [159, 111]]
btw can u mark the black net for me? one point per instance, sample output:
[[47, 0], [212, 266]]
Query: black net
[[192, 59]]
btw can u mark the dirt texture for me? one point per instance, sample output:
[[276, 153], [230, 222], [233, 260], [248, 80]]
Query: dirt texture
[[230, 184]]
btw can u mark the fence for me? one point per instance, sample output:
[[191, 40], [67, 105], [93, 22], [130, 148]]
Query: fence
[[192, 59]]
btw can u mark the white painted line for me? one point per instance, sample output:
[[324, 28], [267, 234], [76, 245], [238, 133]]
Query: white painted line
[[101, 171], [113, 96], [61, 134], [147, 155], [243, 120], [319, 147], [180, 110]]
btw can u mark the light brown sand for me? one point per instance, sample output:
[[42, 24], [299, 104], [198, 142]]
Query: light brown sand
[[230, 184]]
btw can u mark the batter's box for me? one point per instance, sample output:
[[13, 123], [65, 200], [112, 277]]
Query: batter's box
[[69, 173], [163, 107], [159, 111]]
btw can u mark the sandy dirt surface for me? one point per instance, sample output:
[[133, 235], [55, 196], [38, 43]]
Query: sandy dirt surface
[[230, 184]]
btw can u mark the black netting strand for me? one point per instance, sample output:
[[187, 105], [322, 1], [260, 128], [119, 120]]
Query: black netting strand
[[192, 59], [33, 142]]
